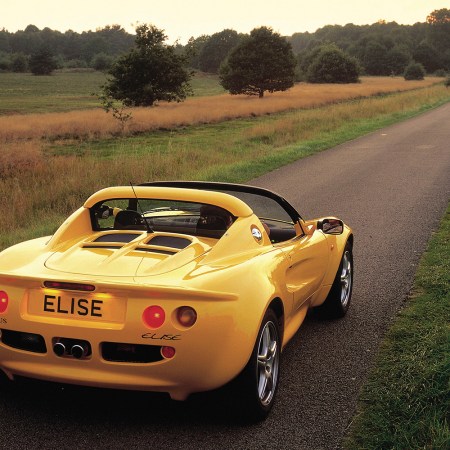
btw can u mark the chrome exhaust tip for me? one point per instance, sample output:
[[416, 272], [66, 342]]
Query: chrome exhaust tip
[[78, 351], [59, 348]]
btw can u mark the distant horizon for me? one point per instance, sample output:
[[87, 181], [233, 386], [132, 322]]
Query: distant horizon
[[181, 21], [133, 31]]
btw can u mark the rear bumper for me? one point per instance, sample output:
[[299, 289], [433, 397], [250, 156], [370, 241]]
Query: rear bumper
[[192, 369], [207, 355]]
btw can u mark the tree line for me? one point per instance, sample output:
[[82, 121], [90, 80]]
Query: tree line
[[91, 49], [379, 49]]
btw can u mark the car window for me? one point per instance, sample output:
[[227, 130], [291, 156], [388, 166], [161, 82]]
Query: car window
[[277, 222], [263, 207], [161, 215]]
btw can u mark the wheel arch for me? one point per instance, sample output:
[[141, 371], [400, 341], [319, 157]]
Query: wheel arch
[[350, 239], [277, 306]]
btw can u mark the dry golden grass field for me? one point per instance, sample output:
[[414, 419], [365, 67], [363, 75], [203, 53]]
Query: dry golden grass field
[[95, 123]]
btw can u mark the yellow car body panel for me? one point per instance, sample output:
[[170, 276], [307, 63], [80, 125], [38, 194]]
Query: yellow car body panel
[[230, 281]]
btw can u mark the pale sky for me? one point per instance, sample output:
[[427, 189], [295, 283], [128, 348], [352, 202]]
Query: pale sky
[[182, 19]]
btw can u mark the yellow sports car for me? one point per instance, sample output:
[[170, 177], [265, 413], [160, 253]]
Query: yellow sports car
[[176, 287]]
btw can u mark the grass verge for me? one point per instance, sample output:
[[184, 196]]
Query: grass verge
[[406, 401]]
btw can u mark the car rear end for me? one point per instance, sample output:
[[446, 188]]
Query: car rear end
[[120, 335]]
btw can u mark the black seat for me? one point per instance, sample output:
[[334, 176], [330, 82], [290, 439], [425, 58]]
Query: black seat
[[128, 219], [213, 221]]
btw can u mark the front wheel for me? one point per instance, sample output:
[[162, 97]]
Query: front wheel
[[338, 301], [255, 388]]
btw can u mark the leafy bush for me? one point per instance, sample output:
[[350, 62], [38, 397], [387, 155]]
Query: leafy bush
[[5, 62], [414, 71], [332, 65], [440, 73], [19, 62], [42, 62], [75, 64], [102, 62]]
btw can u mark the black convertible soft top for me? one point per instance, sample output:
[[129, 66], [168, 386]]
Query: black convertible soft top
[[231, 188]]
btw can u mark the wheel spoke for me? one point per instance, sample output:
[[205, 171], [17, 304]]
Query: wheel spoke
[[269, 383], [272, 351], [262, 385], [262, 361]]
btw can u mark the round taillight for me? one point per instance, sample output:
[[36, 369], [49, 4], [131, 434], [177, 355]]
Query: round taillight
[[4, 300], [186, 316], [153, 316], [167, 352]]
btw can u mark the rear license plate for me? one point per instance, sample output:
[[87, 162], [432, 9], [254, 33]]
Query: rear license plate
[[100, 307]]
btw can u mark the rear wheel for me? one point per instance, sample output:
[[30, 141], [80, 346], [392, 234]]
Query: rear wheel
[[4, 380], [255, 388], [338, 301]]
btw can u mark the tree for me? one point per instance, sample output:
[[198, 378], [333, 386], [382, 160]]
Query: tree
[[216, 49], [439, 16], [397, 59], [42, 62], [414, 71], [4, 41], [307, 56], [194, 48], [150, 72], [375, 58], [439, 29], [428, 56], [5, 62], [332, 65], [262, 62], [102, 62], [19, 62]]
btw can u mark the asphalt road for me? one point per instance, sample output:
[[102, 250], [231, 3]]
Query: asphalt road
[[392, 187]]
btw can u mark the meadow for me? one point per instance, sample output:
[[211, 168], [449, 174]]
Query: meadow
[[24, 93], [200, 109]]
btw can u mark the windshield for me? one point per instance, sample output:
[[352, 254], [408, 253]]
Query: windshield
[[264, 207], [161, 215], [264, 203]]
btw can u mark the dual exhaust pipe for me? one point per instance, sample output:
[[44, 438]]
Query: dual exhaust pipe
[[70, 347]]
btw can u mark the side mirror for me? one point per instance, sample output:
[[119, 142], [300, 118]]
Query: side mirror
[[331, 226]]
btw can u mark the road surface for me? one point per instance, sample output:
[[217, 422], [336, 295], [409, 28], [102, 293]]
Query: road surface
[[392, 187]]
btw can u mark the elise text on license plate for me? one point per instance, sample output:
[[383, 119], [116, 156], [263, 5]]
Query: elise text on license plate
[[73, 306], [100, 307]]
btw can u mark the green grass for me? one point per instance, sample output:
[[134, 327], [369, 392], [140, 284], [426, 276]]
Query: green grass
[[206, 84], [24, 93], [279, 138], [406, 402]]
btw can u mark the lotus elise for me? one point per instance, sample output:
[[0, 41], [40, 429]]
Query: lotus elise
[[176, 287]]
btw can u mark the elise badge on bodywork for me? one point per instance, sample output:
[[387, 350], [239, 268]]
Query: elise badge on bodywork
[[256, 233]]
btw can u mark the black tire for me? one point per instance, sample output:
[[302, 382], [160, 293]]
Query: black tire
[[253, 391], [338, 300], [5, 382]]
